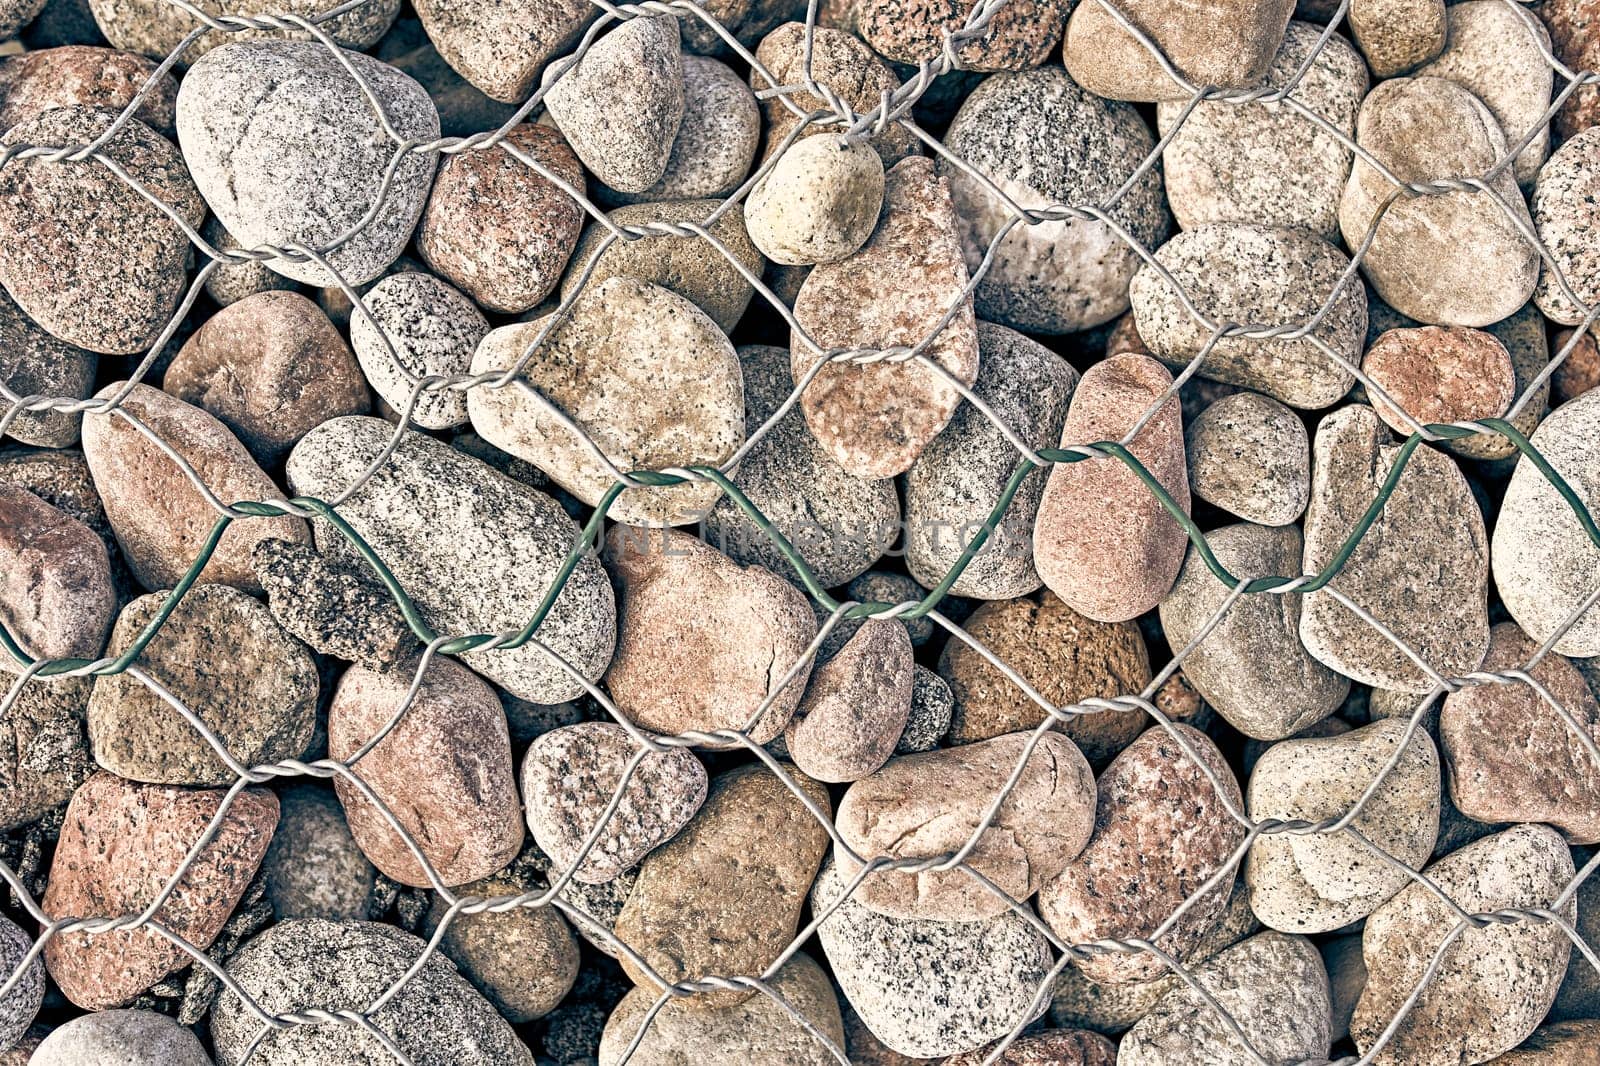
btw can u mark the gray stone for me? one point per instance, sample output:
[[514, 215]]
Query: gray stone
[[44, 754], [932, 707], [21, 1005], [1565, 212], [285, 148], [123, 1037], [855, 708], [501, 48], [818, 203], [15, 14], [313, 867], [33, 363], [885, 586], [156, 29], [417, 326], [57, 598], [232, 282], [1250, 455], [337, 608], [1398, 35]]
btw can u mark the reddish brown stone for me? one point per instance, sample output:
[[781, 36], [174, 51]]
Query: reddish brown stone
[[1440, 374], [1225, 43], [1059, 1047], [1579, 371], [1574, 27], [56, 595], [1020, 35], [35, 82]]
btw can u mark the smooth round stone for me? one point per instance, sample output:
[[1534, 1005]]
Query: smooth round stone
[[474, 549], [1152, 849], [271, 367], [1438, 375], [1398, 35], [1568, 220], [1017, 37], [89, 259], [21, 1005], [122, 1037], [285, 148], [417, 326], [1249, 455], [885, 586], [569, 777], [621, 105], [501, 49], [716, 142], [839, 523], [1430, 525], [1065, 657], [57, 597], [156, 29], [120, 844], [1454, 259], [1258, 276], [463, 108], [1043, 140], [1263, 162], [1492, 985], [229, 283], [35, 82], [1251, 666], [818, 204], [932, 707], [961, 476], [1102, 541], [1318, 883], [335, 608], [33, 363], [1272, 986], [1571, 27], [314, 868], [524, 961], [927, 988], [645, 373], [161, 520], [44, 755], [312, 963], [1579, 371], [920, 806], [1055, 1047], [856, 706]]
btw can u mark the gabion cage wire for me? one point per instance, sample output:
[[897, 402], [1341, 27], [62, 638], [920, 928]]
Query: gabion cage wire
[[838, 118]]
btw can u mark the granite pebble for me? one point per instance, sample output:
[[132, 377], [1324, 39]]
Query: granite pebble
[[1250, 455]]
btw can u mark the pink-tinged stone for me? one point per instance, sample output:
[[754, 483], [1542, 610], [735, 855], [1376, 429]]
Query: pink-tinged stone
[[35, 82], [1574, 27], [1102, 541], [1579, 371], [444, 771], [856, 707], [876, 418], [120, 845], [56, 594], [1057, 1047], [1020, 34], [1440, 374]]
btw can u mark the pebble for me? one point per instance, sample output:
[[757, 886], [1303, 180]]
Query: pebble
[[1272, 986], [1493, 984], [724, 896], [44, 755], [1017, 37], [229, 283], [443, 770], [1055, 1047], [417, 326], [81, 75], [500, 50], [569, 777], [271, 368], [716, 142], [33, 363], [961, 476], [856, 707], [1043, 140], [16, 14], [1065, 657], [875, 419], [819, 203], [1561, 1044], [1258, 276], [89, 259], [61, 478], [1318, 883], [1102, 541], [1251, 667], [1453, 259], [884, 586], [1265, 162], [1228, 44], [1397, 36], [337, 609], [643, 371], [1576, 42], [20, 1005], [156, 29], [620, 106], [1514, 758], [1430, 525], [311, 963], [932, 707], [1161, 830], [475, 550], [314, 868], [1249, 455], [160, 519], [1567, 218], [285, 148], [56, 593], [1439, 374], [928, 988], [120, 844], [123, 1037], [1579, 371], [260, 699], [920, 806]]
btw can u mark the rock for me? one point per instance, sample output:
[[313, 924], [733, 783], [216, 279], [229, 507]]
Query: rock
[[1251, 666], [1561, 1044], [501, 50], [1454, 259], [716, 141], [1439, 374], [314, 867], [81, 75], [1161, 831], [231, 282], [839, 523], [161, 520], [497, 229], [1226, 43], [621, 105], [155, 29], [307, 963], [961, 476], [641, 370], [17, 14], [260, 700], [20, 1005], [932, 707], [56, 591], [271, 368], [1065, 657], [755, 1031], [876, 418], [1249, 455], [90, 260], [443, 770], [1579, 371], [285, 148], [120, 845], [1259, 276], [1512, 757], [1565, 214], [1272, 986], [1579, 995], [1430, 524], [1398, 35], [1572, 35], [856, 706], [819, 203], [920, 806], [1102, 541], [33, 363], [1347, 975], [569, 777], [913, 31], [884, 586], [1055, 1047], [475, 550], [928, 988], [337, 609], [44, 755], [416, 326], [724, 896], [524, 961], [1492, 985], [703, 642], [125, 1037], [1043, 140]]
